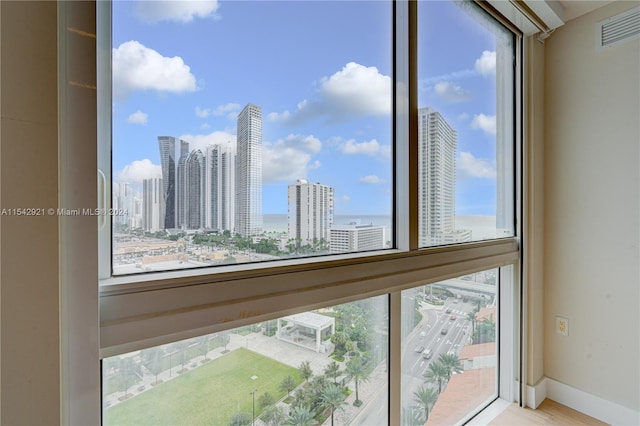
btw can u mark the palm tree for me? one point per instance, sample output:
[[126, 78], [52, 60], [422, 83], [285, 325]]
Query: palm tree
[[471, 316], [274, 416], [301, 416], [436, 373], [356, 370], [332, 398], [451, 363], [333, 371], [410, 418], [240, 419], [425, 397], [305, 370]]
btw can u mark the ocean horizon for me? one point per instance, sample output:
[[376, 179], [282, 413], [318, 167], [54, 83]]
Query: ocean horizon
[[482, 227]]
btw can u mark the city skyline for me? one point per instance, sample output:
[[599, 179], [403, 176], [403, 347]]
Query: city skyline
[[326, 110]]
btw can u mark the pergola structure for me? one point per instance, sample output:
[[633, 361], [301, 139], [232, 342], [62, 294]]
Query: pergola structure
[[307, 329]]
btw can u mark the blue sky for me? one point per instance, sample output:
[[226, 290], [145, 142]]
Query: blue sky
[[320, 70]]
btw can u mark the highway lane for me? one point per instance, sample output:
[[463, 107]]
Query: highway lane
[[429, 334]]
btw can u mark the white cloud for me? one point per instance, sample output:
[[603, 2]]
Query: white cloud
[[275, 116], [173, 10], [138, 117], [202, 112], [136, 67], [371, 179], [354, 91], [451, 92], [429, 82], [350, 147], [486, 63], [139, 170], [475, 167], [487, 123], [201, 142], [289, 159], [231, 110]]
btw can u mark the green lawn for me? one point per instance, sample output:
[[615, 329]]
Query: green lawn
[[208, 395]]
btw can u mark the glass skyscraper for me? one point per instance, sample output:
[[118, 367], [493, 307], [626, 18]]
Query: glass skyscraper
[[249, 171]]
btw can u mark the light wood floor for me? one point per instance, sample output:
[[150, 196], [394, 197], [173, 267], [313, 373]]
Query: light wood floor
[[548, 413]]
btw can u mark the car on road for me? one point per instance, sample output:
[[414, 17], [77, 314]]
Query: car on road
[[423, 334], [426, 354], [419, 349], [444, 331], [448, 311], [452, 318]]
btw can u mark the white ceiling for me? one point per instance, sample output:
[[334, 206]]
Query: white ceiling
[[575, 8]]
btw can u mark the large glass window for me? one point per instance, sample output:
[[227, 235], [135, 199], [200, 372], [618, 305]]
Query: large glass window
[[465, 124], [449, 349], [245, 132], [249, 131], [327, 365]]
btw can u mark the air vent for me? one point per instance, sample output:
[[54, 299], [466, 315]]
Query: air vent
[[618, 29]]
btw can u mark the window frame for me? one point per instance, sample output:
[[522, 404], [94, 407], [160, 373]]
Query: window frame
[[134, 312]]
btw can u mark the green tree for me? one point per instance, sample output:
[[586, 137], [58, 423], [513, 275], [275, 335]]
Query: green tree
[[225, 339], [410, 417], [339, 339], [332, 398], [305, 370], [452, 363], [357, 372], [127, 374], [425, 397], [265, 400], [485, 332], [288, 384], [303, 397], [152, 360], [471, 316], [333, 371], [301, 416], [240, 419], [436, 374], [274, 416]]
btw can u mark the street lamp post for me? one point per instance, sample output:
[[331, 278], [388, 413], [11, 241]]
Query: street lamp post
[[253, 412]]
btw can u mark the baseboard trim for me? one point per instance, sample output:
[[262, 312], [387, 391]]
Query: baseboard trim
[[586, 403], [536, 393]]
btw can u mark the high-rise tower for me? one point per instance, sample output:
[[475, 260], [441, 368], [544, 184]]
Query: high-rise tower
[[249, 171], [310, 212], [220, 173], [167, 146], [181, 186], [152, 204], [194, 197], [437, 143]]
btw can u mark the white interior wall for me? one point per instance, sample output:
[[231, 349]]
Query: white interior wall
[[592, 215]]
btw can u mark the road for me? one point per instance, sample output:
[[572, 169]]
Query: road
[[428, 334]]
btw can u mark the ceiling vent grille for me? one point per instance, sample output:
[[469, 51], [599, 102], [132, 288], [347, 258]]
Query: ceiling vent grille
[[618, 29]]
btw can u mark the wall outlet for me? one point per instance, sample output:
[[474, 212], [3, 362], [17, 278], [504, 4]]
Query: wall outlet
[[562, 326]]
